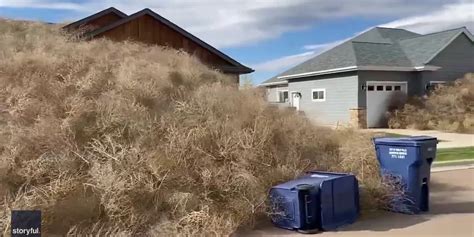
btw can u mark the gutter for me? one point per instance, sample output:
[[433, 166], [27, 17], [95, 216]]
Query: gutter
[[234, 69], [399, 69], [273, 83], [361, 68], [322, 72]]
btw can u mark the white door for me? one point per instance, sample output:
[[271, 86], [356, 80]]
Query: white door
[[295, 100], [382, 97]]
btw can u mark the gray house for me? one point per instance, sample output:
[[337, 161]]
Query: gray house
[[358, 81]]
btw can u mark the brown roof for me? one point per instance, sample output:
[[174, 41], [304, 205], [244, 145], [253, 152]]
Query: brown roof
[[235, 68], [239, 68], [95, 16]]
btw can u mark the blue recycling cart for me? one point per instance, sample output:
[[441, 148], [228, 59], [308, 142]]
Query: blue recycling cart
[[409, 159], [315, 201]]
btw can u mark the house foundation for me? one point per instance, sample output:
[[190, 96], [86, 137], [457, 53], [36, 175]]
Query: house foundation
[[358, 117]]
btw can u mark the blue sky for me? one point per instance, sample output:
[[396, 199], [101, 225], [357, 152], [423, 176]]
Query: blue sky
[[268, 35], [293, 43]]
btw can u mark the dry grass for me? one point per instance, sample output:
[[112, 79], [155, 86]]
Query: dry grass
[[448, 108], [123, 139]]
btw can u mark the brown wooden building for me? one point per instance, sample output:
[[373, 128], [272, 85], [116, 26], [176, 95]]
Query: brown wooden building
[[99, 19], [148, 27]]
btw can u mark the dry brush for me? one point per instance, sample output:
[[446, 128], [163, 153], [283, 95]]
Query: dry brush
[[123, 139], [448, 108]]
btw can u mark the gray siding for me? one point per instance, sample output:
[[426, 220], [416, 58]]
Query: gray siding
[[455, 60], [344, 90], [341, 95], [272, 92], [364, 76]]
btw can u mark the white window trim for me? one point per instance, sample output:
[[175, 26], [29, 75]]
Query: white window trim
[[382, 82], [319, 100], [278, 94], [404, 84], [435, 83], [438, 82]]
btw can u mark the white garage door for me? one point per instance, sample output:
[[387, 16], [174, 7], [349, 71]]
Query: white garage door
[[383, 96]]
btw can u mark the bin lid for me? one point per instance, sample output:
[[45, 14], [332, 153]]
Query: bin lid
[[408, 140], [314, 178]]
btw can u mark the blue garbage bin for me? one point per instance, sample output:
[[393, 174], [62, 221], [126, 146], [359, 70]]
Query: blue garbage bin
[[409, 159], [315, 201]]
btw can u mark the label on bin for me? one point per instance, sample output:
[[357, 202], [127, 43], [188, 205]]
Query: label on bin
[[318, 176], [397, 153]]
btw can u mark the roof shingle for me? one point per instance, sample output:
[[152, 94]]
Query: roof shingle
[[420, 49], [377, 47]]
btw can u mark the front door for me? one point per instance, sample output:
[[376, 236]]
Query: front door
[[295, 99], [381, 98]]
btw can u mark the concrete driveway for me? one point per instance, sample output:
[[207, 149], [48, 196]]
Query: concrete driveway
[[451, 214], [446, 140]]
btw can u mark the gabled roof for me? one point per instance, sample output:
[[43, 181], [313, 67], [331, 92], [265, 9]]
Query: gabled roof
[[378, 48], [423, 48], [377, 54], [238, 67], [83, 21], [384, 35], [340, 56]]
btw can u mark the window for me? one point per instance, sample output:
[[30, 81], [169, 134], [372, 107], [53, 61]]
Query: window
[[432, 85], [398, 88], [370, 88], [319, 94], [282, 96], [379, 88], [388, 88]]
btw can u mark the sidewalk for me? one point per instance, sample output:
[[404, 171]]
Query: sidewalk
[[452, 165], [446, 140], [451, 214]]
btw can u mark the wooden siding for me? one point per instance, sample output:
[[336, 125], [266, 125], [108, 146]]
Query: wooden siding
[[233, 77], [148, 30]]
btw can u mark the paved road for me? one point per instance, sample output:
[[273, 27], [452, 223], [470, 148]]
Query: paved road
[[451, 214], [447, 140]]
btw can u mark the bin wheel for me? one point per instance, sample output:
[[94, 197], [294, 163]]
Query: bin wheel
[[304, 187], [312, 231]]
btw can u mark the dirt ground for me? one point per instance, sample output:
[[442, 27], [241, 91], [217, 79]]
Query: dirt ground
[[451, 214]]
